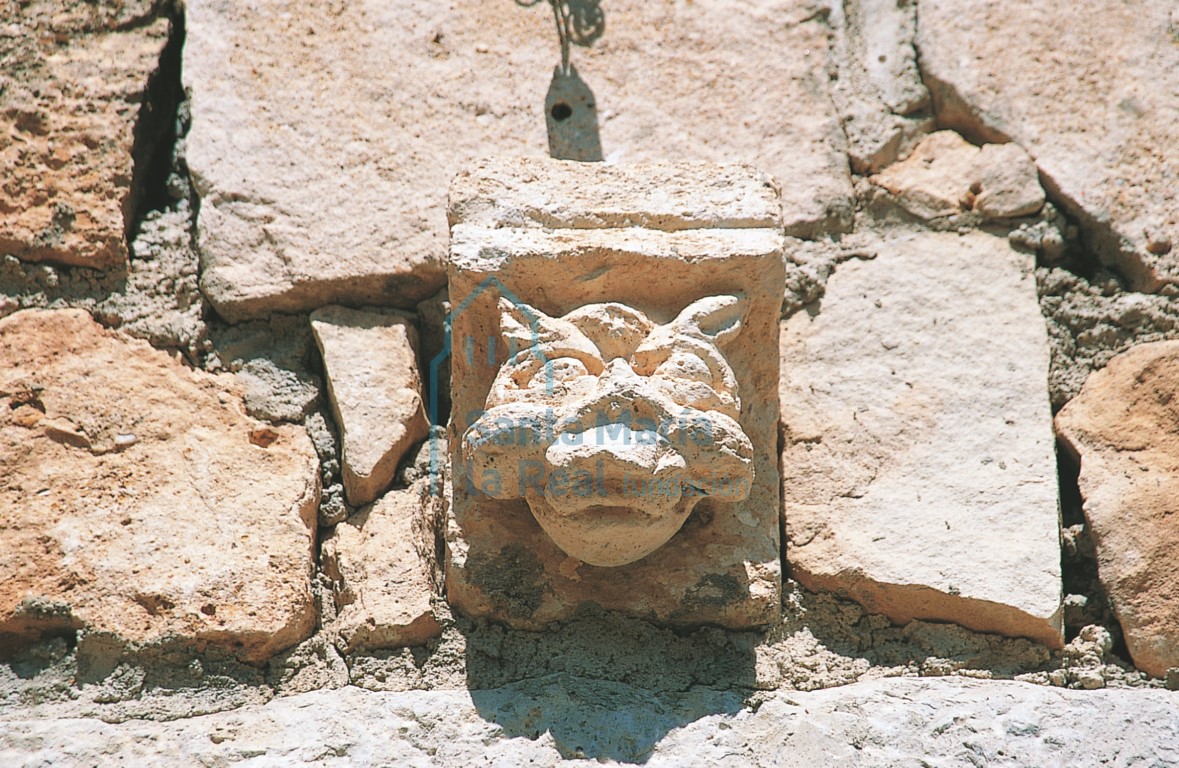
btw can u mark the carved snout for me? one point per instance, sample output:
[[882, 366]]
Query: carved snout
[[621, 461], [621, 395]]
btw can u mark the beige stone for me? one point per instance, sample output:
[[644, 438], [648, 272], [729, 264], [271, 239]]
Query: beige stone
[[544, 723], [138, 499], [614, 424], [918, 472], [673, 197], [883, 105], [945, 176], [383, 561], [1122, 429], [1092, 101], [1008, 184], [72, 161], [323, 168], [375, 391]]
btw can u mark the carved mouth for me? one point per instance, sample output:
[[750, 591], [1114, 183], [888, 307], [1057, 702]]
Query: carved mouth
[[610, 534], [635, 501]]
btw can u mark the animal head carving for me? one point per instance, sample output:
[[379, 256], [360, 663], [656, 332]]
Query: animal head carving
[[611, 426]]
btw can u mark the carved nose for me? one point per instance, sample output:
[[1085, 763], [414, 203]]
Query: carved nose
[[623, 395], [619, 375]]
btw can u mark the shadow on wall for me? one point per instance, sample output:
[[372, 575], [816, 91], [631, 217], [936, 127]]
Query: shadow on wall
[[572, 118], [595, 719], [606, 686], [571, 113]]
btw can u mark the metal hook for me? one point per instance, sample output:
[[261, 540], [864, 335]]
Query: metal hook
[[580, 22]]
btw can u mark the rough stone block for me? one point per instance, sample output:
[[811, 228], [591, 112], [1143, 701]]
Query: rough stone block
[[1122, 429], [383, 561], [375, 390], [613, 430], [918, 471], [946, 176], [138, 499], [882, 102], [1000, 73], [556, 721], [323, 141], [73, 159]]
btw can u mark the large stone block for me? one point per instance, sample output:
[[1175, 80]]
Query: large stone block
[[323, 141], [1123, 430], [552, 723], [614, 423], [75, 153], [918, 471], [138, 499], [1093, 102]]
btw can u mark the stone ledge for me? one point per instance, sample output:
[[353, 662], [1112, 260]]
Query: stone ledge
[[552, 720]]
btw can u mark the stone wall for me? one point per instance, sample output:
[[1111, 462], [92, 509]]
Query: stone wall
[[223, 461]]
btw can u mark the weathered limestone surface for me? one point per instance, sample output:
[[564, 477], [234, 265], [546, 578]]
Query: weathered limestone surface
[[375, 392], [918, 470], [945, 176], [1124, 430], [384, 564], [673, 197], [651, 330], [269, 357], [136, 498], [551, 721], [73, 80], [1093, 102], [645, 416], [323, 141], [883, 105]]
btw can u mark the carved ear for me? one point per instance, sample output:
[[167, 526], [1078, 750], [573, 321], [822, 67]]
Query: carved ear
[[524, 326], [714, 318]]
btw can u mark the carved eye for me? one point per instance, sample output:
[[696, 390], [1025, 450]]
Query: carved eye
[[563, 369], [685, 365]]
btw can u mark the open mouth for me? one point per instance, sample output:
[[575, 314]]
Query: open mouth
[[611, 534]]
